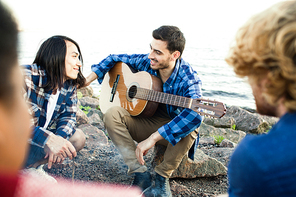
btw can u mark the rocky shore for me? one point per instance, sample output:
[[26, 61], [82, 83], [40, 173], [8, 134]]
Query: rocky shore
[[99, 160]]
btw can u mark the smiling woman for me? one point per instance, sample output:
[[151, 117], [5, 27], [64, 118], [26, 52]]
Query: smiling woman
[[58, 56], [72, 61], [51, 85]]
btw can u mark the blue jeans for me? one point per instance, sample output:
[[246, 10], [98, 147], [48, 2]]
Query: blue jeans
[[36, 153]]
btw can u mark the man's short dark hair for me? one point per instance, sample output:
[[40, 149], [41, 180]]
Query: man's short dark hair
[[173, 36], [8, 51]]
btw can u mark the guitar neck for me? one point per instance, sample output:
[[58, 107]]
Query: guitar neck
[[165, 98], [141, 86]]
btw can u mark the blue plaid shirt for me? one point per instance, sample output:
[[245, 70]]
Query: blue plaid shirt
[[63, 120], [183, 82]]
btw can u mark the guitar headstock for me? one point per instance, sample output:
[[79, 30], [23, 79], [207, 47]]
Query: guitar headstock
[[208, 107]]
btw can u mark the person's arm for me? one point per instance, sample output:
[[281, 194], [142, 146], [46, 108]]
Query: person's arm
[[145, 145], [57, 149], [58, 146], [45, 139], [190, 121], [52, 144], [30, 91], [90, 78], [186, 121], [136, 61], [180, 126], [66, 121]]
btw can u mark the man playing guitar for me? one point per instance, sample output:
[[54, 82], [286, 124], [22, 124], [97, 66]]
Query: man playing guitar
[[172, 126]]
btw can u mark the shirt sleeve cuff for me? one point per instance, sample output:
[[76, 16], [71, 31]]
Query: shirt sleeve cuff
[[40, 136], [164, 131]]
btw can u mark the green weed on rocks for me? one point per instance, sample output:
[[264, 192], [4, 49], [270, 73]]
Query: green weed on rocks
[[218, 139], [85, 109]]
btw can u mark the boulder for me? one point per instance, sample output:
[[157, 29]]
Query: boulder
[[221, 154], [81, 117], [94, 137], [95, 111], [210, 131], [224, 122], [202, 166], [86, 91], [89, 101], [227, 144], [246, 121], [206, 141], [270, 120], [96, 118]]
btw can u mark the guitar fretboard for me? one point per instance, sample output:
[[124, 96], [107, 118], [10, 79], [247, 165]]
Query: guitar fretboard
[[160, 97]]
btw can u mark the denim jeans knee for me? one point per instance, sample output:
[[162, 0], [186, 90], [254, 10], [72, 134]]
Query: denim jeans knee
[[36, 153]]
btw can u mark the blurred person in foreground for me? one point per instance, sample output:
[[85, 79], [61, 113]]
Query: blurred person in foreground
[[265, 53], [15, 132]]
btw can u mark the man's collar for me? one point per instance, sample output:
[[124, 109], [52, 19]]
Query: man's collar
[[175, 71]]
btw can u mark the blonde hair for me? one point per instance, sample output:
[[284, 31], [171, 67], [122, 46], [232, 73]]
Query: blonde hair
[[267, 44]]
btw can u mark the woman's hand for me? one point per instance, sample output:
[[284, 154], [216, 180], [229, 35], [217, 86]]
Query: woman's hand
[[57, 149]]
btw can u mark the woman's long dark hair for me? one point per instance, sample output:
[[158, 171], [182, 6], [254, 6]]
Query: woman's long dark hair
[[51, 57]]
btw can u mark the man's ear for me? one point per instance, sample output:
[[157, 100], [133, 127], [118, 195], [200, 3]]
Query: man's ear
[[176, 55]]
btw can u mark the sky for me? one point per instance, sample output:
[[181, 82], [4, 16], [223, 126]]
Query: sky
[[201, 17]]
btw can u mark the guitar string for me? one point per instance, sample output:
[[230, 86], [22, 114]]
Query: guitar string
[[161, 97]]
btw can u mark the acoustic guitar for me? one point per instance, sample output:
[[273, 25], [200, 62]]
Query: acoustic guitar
[[140, 92]]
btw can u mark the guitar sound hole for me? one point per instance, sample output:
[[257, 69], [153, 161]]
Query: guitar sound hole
[[132, 91]]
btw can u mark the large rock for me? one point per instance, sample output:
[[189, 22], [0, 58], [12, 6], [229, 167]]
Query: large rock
[[81, 117], [86, 91], [94, 137], [206, 141], [270, 120], [220, 153], [227, 144], [89, 101], [224, 122], [202, 166], [95, 117], [246, 121], [233, 135]]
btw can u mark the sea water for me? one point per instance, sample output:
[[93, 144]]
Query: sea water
[[206, 55]]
